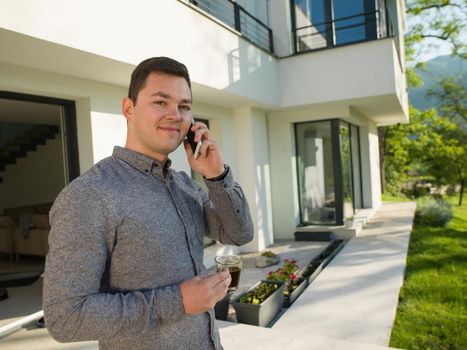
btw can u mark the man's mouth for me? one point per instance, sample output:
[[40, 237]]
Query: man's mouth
[[169, 128]]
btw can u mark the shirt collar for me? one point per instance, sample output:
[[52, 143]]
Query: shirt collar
[[140, 161]]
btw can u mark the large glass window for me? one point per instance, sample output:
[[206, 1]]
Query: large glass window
[[345, 154], [315, 173], [349, 21], [328, 169], [327, 23], [311, 17]]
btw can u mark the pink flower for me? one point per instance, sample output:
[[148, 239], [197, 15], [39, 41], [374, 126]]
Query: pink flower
[[270, 273], [293, 277]]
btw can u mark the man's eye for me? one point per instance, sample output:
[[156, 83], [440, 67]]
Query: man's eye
[[160, 103], [185, 108]]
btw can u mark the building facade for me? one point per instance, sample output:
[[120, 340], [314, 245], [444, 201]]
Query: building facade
[[293, 90]]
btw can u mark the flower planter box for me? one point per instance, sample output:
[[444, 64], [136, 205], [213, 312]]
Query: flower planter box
[[221, 309], [317, 266], [260, 314], [290, 298], [320, 262], [338, 247]]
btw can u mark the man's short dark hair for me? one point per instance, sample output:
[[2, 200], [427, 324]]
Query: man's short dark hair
[[164, 65]]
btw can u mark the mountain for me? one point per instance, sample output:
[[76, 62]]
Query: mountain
[[436, 68]]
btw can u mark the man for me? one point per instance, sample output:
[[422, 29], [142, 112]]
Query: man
[[125, 263]]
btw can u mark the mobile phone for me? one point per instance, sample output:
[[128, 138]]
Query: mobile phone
[[195, 146]]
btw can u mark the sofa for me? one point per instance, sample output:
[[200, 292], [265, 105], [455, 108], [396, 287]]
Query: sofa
[[16, 241]]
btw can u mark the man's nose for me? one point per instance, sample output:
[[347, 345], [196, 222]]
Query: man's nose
[[174, 113]]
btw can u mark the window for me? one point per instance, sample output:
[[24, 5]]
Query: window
[[327, 23], [315, 173], [328, 170]]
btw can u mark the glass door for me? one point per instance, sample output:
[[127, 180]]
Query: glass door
[[315, 173]]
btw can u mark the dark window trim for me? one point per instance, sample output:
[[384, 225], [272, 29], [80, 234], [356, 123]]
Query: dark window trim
[[337, 165], [359, 164], [69, 128]]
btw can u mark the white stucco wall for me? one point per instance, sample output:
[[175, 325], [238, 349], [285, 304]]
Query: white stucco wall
[[374, 166], [280, 23], [150, 29], [251, 145], [35, 179], [342, 73]]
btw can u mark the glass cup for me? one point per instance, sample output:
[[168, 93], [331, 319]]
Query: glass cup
[[234, 264]]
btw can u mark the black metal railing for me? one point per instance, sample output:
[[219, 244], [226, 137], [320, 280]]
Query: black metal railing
[[345, 30], [235, 16]]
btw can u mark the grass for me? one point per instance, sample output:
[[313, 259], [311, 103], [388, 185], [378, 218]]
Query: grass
[[432, 311], [390, 198]]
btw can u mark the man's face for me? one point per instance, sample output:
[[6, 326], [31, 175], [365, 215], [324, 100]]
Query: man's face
[[159, 120]]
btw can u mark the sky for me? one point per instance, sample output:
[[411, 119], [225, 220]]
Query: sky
[[438, 47], [442, 49]]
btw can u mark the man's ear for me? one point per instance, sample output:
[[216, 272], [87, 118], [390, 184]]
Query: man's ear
[[127, 108]]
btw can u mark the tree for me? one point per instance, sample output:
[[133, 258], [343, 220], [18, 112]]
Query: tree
[[403, 147], [452, 101], [431, 22]]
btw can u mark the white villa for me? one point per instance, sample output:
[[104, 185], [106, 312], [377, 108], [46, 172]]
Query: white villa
[[293, 91]]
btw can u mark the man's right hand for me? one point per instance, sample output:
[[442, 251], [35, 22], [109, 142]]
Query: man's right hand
[[201, 293]]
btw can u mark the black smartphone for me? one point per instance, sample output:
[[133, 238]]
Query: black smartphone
[[195, 146]]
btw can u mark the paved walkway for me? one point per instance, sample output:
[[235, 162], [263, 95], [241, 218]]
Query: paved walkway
[[352, 303]]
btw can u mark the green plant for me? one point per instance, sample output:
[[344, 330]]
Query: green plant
[[293, 284], [433, 212], [269, 254], [259, 294], [285, 273], [432, 304]]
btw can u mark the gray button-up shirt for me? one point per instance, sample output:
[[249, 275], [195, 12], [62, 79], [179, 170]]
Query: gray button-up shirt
[[124, 236]]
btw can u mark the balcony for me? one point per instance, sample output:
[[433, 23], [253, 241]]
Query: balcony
[[235, 16], [345, 30]]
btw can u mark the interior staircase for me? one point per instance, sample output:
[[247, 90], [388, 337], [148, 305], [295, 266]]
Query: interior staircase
[[24, 143]]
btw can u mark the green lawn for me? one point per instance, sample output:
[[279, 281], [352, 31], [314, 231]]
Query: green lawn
[[432, 312], [390, 198]]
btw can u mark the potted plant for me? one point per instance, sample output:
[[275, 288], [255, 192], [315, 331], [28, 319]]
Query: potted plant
[[260, 304], [267, 258], [294, 288], [287, 273], [334, 248], [312, 270], [221, 309], [317, 264]]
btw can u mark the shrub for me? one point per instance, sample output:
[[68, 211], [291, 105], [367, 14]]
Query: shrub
[[433, 212]]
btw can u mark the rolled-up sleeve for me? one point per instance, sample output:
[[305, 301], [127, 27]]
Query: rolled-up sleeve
[[80, 244], [226, 212]]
